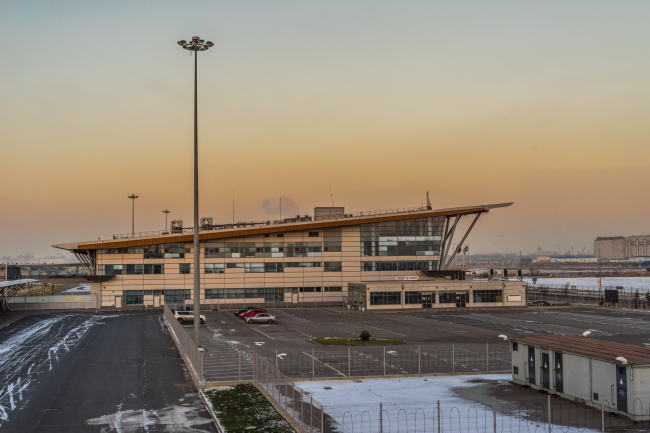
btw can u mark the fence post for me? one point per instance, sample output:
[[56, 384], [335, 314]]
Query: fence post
[[453, 358], [311, 412], [418, 359], [487, 356], [494, 414], [439, 413], [381, 419], [384, 360], [602, 417], [302, 424], [276, 359], [322, 424], [240, 365], [313, 369], [550, 422], [348, 362]]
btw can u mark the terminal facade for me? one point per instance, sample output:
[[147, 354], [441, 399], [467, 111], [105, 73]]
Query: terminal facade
[[299, 260]]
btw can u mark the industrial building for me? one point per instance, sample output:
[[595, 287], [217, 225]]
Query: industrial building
[[620, 247], [587, 370], [292, 261]]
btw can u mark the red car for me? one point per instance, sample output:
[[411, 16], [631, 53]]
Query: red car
[[251, 313]]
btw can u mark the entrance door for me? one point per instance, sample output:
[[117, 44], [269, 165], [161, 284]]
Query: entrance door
[[531, 365], [461, 299], [545, 371], [156, 301], [427, 300], [559, 380], [621, 388], [118, 302]]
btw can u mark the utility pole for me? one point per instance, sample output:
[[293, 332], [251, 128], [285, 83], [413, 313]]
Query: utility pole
[[196, 45], [133, 197]]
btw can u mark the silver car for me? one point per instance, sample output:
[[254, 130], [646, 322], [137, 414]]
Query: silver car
[[262, 318], [187, 316]]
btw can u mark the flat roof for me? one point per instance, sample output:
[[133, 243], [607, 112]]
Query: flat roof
[[590, 347], [273, 228]]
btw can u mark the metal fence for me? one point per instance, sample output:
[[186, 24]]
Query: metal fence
[[393, 360], [53, 302], [192, 355], [565, 294], [307, 413]]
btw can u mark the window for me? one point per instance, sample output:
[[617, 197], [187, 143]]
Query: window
[[332, 246], [134, 297], [515, 370], [176, 296], [453, 297], [110, 269], [314, 234], [333, 289], [309, 289], [385, 298], [269, 294], [302, 264], [595, 396], [214, 268], [419, 297], [185, 268], [418, 237], [488, 295], [332, 267], [165, 251], [515, 347], [234, 265]]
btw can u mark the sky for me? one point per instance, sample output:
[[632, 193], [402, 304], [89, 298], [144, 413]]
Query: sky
[[544, 104]]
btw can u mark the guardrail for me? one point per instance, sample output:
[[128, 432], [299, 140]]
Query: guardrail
[[192, 355]]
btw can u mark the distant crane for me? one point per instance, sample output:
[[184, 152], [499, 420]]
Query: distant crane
[[582, 252]]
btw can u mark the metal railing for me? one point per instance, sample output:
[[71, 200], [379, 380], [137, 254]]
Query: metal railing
[[306, 412], [192, 355], [564, 294]]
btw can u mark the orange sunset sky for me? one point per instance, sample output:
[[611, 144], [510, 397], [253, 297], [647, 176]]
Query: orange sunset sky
[[546, 104]]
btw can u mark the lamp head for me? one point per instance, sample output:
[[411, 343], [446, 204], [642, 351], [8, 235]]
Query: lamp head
[[181, 43], [586, 333], [503, 337], [621, 360]]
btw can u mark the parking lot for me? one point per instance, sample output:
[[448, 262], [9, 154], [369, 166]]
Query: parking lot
[[428, 339]]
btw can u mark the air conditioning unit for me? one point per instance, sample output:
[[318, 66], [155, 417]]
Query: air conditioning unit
[[177, 226], [206, 222]]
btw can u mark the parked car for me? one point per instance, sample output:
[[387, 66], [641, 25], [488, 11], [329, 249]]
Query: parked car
[[261, 318], [243, 310], [174, 310], [187, 316], [251, 313]]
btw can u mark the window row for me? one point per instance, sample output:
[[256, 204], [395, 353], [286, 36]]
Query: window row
[[38, 272], [444, 297], [162, 251], [130, 269], [269, 249], [136, 297], [269, 294], [399, 266], [400, 248], [430, 226]]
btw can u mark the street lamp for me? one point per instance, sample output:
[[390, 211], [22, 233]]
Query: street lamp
[[133, 197], [166, 212], [196, 45]]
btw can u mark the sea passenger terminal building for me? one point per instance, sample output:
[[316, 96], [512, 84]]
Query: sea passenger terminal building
[[300, 260]]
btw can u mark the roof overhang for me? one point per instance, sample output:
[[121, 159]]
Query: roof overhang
[[273, 228]]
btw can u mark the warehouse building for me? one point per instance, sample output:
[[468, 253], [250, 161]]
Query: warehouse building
[[293, 261], [590, 371]]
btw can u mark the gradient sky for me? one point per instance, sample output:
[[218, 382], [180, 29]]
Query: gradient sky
[[546, 104]]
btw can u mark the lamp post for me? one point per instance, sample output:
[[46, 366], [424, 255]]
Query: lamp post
[[196, 45], [166, 212], [133, 197]]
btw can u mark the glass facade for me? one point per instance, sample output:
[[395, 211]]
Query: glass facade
[[488, 295], [130, 269], [399, 266], [385, 298], [263, 249], [333, 267], [269, 294], [177, 296], [417, 237], [419, 297], [162, 251], [214, 268], [449, 297], [185, 268]]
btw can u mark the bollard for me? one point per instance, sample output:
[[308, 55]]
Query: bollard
[[453, 358], [439, 413], [348, 362], [381, 419], [418, 359], [384, 360]]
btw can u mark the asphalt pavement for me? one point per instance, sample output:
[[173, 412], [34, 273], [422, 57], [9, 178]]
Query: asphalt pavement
[[95, 372]]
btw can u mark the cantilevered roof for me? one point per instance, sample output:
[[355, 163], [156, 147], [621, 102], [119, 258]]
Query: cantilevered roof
[[590, 347], [12, 283], [205, 235]]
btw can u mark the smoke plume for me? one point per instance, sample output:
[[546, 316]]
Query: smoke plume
[[272, 207]]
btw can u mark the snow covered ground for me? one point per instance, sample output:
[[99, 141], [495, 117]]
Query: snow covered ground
[[409, 404], [80, 288], [641, 283]]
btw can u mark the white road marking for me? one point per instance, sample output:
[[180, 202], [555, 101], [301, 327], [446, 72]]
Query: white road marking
[[263, 334], [316, 359], [386, 330]]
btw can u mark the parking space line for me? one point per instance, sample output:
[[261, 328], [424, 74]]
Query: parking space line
[[263, 333], [386, 330]]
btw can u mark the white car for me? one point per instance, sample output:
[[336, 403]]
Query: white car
[[187, 316], [262, 318]]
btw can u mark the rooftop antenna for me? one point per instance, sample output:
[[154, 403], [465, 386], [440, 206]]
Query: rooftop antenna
[[280, 205], [331, 195], [233, 206], [428, 201]]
